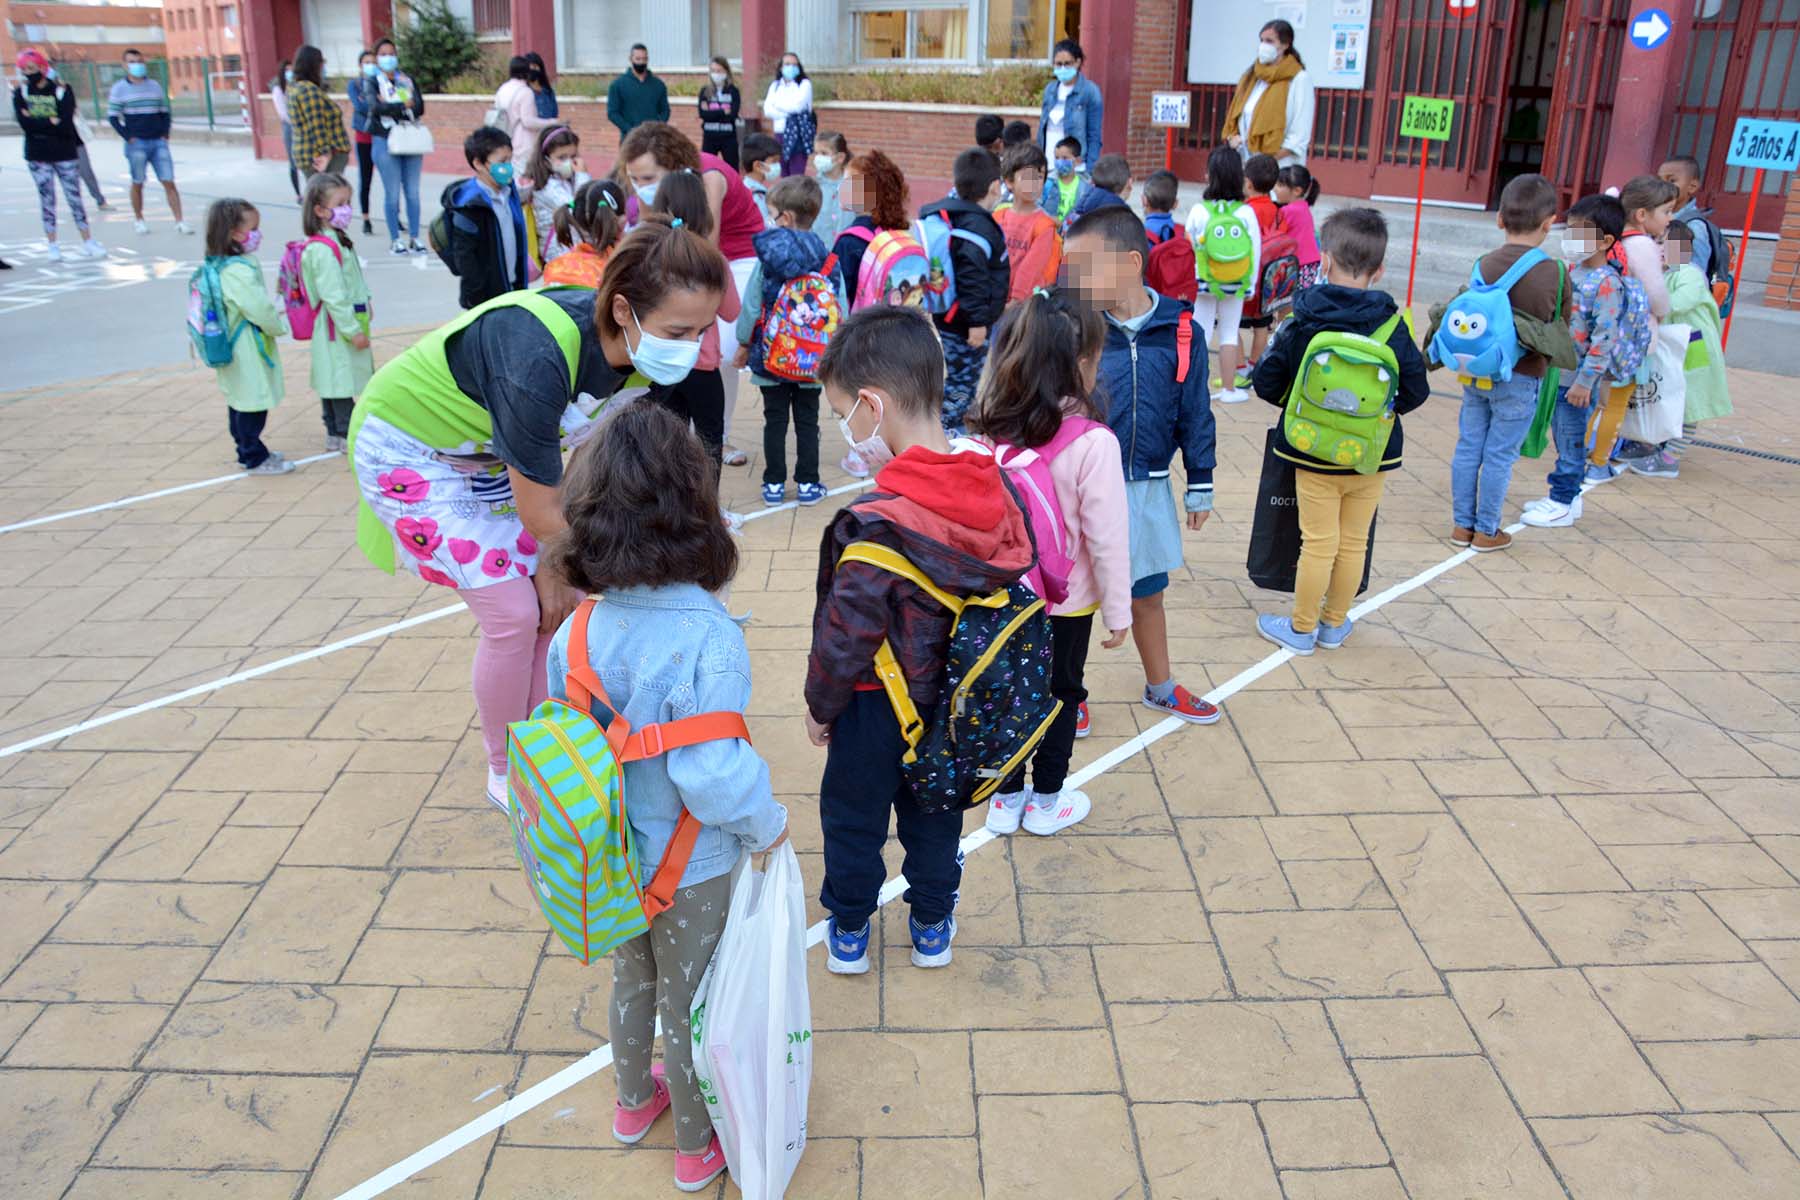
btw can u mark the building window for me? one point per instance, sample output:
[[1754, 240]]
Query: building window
[[493, 16], [925, 34], [1029, 28]]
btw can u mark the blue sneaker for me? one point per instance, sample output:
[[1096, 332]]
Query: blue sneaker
[[931, 943], [811, 493], [1330, 637], [1600, 474], [774, 493], [846, 953], [1280, 630]]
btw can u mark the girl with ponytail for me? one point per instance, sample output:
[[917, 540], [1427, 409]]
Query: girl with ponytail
[[1034, 408], [1296, 191], [585, 231]]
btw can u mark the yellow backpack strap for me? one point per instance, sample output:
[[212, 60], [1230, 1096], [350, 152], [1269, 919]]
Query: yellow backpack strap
[[893, 682]]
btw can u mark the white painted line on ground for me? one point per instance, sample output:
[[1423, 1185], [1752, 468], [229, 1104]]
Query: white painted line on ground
[[168, 491], [601, 1058]]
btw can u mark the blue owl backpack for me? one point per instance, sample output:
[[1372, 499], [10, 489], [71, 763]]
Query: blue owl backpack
[[1478, 338], [565, 784], [994, 705]]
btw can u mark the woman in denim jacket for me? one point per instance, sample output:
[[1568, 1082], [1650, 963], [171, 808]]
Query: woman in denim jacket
[[644, 531], [1072, 105]]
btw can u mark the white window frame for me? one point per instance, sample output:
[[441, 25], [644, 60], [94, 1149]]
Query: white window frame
[[975, 12]]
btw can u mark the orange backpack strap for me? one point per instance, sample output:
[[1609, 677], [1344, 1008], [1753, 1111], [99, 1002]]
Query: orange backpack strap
[[660, 895], [1184, 347], [582, 683], [649, 742]]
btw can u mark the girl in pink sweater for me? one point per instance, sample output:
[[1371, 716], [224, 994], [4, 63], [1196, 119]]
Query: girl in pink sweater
[[1649, 203], [1033, 409]]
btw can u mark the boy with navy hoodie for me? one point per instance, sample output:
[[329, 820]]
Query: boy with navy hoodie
[[485, 222], [982, 273], [1153, 381], [947, 509]]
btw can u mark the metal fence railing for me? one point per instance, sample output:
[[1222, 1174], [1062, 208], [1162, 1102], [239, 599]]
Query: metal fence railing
[[216, 99]]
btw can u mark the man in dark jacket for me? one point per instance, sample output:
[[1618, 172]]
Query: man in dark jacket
[[485, 222], [1337, 503], [637, 96], [952, 516], [979, 267]]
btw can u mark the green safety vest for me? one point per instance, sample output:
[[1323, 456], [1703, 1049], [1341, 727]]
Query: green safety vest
[[417, 394]]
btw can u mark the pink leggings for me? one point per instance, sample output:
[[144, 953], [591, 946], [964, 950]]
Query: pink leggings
[[510, 678]]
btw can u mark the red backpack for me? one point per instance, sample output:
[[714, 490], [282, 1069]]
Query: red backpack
[[1277, 274], [1029, 469], [1170, 269], [290, 286]]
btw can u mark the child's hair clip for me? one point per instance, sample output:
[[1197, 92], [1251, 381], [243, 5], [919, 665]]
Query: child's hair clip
[[1041, 292], [676, 223]]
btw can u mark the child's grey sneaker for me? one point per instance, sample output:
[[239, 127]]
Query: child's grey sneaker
[[931, 943], [1330, 637], [1280, 630], [1600, 474], [1660, 465], [1630, 450], [272, 465]]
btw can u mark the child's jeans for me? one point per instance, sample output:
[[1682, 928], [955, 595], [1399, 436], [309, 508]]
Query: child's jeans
[[336, 411], [779, 399], [1569, 427], [675, 951], [246, 431], [1069, 638], [1336, 512], [862, 785], [1491, 428]]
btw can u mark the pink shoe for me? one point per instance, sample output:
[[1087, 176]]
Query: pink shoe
[[631, 1124], [695, 1171]]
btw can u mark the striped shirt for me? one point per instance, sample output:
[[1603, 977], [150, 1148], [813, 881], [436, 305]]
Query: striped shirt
[[137, 108]]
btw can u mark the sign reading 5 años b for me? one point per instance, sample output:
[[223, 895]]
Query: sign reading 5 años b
[[1426, 117]]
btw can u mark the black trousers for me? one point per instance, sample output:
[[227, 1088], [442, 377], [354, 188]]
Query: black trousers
[[862, 785], [725, 145], [246, 431], [365, 173], [1068, 662], [803, 402], [335, 411], [699, 398]]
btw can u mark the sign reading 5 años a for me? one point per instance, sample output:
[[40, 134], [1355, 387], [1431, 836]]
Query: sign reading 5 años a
[[1770, 145]]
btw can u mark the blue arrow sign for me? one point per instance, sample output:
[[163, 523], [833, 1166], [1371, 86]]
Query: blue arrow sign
[[1650, 28]]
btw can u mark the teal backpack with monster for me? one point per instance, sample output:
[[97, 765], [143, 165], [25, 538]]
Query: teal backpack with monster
[[1340, 409], [1223, 251]]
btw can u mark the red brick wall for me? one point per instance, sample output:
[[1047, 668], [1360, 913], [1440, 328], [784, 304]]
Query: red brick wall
[[1156, 48], [922, 139], [1784, 276]]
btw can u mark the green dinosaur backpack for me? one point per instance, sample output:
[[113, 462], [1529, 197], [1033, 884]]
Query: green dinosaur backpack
[[1222, 251], [1340, 409]]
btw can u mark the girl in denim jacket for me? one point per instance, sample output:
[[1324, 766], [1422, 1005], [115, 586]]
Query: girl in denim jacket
[[644, 532]]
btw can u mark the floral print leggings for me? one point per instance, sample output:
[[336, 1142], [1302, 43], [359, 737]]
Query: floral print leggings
[[46, 175]]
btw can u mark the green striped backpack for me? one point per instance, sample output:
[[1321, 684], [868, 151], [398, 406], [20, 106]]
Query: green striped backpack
[[566, 804]]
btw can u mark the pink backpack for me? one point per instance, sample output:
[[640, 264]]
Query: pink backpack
[[290, 286], [1029, 470]]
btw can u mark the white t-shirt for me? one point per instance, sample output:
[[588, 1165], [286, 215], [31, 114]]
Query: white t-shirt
[[1054, 131]]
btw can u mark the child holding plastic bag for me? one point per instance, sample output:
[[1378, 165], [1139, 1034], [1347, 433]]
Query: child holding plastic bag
[[1691, 304], [642, 507]]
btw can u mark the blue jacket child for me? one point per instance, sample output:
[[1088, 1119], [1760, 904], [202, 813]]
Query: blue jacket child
[[1151, 412], [781, 255]]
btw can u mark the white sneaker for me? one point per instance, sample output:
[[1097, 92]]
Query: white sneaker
[[55, 252], [1551, 515], [733, 521], [496, 791], [1005, 811], [1045, 815], [1232, 396], [399, 246], [1540, 502], [141, 225], [272, 465], [854, 465], [183, 227], [93, 249]]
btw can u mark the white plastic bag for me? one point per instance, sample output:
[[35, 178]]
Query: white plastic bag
[[752, 1028], [1660, 402]]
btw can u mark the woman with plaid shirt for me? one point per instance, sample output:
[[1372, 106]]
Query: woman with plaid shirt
[[318, 122]]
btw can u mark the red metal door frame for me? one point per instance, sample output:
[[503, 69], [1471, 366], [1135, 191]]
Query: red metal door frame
[[1742, 63], [1581, 101]]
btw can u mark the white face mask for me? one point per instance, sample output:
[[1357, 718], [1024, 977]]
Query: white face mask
[[1574, 250], [771, 170], [718, 79], [662, 360], [873, 450], [564, 167], [822, 163], [1267, 52]]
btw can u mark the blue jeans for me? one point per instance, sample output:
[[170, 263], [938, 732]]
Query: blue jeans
[[1490, 429], [145, 154], [399, 174], [1569, 429]]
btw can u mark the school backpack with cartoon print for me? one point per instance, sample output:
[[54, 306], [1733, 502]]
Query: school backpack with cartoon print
[[1340, 408], [1478, 338], [290, 288], [214, 340], [1277, 274], [565, 786], [793, 332], [937, 234], [995, 704], [1635, 337], [894, 268], [1029, 470], [1170, 268], [1223, 251]]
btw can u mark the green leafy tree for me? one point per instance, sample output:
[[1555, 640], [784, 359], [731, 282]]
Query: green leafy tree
[[436, 46]]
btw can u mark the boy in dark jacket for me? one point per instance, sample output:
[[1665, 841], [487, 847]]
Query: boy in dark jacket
[[1337, 505], [486, 224], [982, 273], [1111, 177], [953, 516], [1152, 382]]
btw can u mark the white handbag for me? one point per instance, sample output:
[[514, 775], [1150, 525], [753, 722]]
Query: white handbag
[[408, 138]]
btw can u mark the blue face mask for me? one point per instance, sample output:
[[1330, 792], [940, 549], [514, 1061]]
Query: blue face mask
[[662, 360], [790, 71], [1065, 74], [49, 72], [288, 75], [370, 70], [502, 173], [1065, 166], [387, 62], [138, 70]]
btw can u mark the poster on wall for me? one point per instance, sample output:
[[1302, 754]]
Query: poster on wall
[[1332, 37]]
